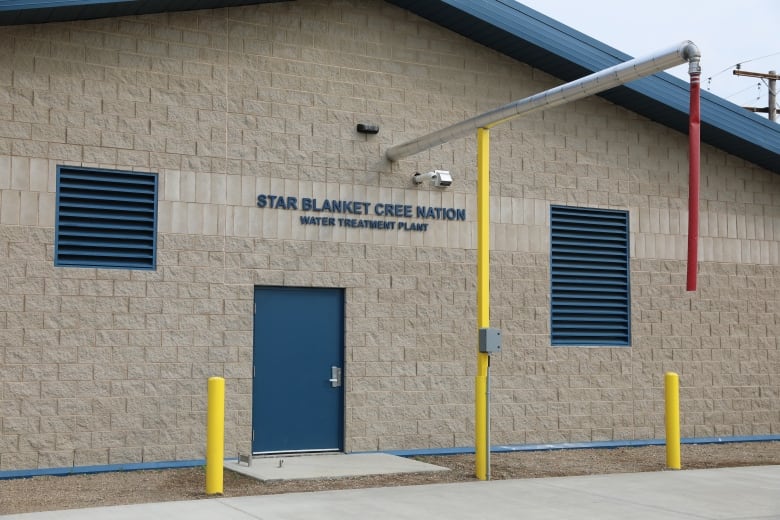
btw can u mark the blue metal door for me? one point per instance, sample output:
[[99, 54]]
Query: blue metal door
[[298, 400]]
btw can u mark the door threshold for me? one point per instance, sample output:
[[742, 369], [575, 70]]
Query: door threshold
[[294, 453]]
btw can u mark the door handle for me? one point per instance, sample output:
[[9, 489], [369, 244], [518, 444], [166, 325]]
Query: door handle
[[335, 377]]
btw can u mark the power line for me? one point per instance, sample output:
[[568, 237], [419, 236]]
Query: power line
[[762, 57], [741, 91], [772, 76], [737, 65]]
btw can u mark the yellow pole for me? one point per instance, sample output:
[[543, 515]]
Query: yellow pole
[[215, 435], [481, 440], [672, 398]]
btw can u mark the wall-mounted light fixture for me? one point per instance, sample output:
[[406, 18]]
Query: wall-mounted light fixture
[[439, 178], [365, 128]]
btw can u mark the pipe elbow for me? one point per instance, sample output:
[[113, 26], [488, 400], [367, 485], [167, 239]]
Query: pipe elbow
[[690, 52]]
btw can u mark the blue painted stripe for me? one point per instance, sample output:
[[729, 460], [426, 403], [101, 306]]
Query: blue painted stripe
[[103, 468], [509, 448]]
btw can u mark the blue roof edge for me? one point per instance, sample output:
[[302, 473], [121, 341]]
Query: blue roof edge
[[21, 12]]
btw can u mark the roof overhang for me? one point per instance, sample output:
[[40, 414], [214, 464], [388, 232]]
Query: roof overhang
[[18, 12]]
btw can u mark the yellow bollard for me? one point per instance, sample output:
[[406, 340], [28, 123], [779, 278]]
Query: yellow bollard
[[215, 435], [481, 454], [672, 397]]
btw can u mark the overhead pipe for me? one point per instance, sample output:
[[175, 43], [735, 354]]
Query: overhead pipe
[[694, 172], [589, 85], [572, 91]]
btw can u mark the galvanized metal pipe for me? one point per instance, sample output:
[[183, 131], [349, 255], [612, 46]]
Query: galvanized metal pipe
[[572, 91]]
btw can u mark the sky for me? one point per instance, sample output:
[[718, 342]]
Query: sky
[[727, 32]]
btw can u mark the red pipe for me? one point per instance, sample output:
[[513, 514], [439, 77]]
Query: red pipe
[[694, 132]]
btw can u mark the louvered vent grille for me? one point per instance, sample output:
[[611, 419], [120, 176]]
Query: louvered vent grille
[[105, 218], [590, 293]]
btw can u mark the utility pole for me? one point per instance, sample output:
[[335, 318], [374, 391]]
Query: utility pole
[[772, 76]]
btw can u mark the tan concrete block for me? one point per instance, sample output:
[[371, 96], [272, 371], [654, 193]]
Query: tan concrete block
[[30, 442], [90, 457], [10, 204], [5, 172]]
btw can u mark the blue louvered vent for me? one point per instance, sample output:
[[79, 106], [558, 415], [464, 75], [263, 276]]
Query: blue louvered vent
[[590, 294], [105, 218]]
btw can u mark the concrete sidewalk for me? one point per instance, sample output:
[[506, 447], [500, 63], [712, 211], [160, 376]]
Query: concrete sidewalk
[[723, 494]]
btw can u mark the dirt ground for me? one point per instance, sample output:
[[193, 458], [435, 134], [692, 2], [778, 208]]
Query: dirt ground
[[131, 487]]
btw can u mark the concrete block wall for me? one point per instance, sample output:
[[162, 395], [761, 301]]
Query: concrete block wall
[[107, 366]]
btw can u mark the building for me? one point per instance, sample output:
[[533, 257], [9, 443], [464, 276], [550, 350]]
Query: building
[[184, 194]]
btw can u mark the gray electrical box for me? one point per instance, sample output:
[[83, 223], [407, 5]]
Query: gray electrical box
[[490, 340]]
